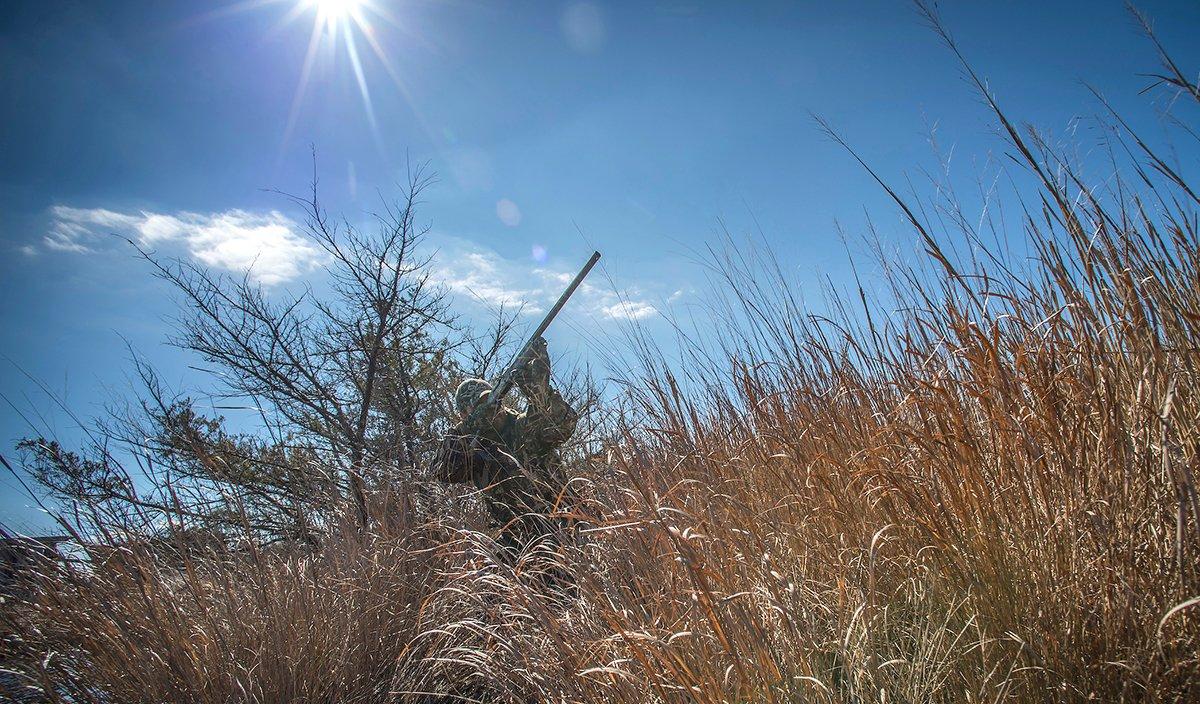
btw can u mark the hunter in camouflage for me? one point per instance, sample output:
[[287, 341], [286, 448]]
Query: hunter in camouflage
[[513, 457]]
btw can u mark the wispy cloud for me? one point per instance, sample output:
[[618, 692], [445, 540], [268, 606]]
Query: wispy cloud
[[266, 246], [269, 247], [630, 310], [482, 274], [73, 229]]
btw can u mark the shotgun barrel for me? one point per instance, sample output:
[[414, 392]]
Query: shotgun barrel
[[505, 381]]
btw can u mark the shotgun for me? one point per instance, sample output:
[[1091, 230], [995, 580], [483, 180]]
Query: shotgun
[[504, 382]]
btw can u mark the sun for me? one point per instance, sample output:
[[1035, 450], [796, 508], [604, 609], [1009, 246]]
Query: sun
[[341, 26], [335, 9], [344, 22]]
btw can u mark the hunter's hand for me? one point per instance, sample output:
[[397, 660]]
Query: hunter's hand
[[535, 374]]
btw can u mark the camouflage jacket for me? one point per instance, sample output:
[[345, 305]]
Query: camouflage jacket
[[513, 457]]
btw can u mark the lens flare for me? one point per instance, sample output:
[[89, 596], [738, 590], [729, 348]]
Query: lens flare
[[332, 17], [354, 25], [335, 8]]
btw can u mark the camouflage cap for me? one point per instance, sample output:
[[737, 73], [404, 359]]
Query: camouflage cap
[[467, 395]]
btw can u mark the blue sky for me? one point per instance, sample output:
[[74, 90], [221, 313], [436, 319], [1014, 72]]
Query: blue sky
[[554, 127]]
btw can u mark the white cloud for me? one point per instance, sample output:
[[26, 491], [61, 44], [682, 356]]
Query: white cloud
[[483, 275], [629, 310], [267, 246], [29, 250], [73, 227], [92, 216], [561, 278]]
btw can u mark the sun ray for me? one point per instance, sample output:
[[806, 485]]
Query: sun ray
[[352, 52], [284, 22], [314, 43], [387, 64], [231, 9], [396, 78], [332, 22], [346, 18]]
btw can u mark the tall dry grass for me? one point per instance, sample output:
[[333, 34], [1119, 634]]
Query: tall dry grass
[[976, 485]]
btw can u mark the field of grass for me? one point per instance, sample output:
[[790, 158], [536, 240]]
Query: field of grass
[[976, 484]]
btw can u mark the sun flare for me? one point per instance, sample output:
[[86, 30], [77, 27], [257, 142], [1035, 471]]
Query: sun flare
[[342, 31], [334, 8], [344, 22]]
